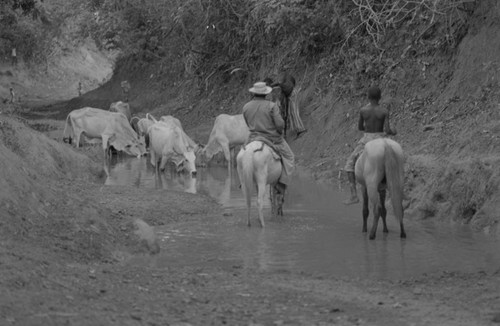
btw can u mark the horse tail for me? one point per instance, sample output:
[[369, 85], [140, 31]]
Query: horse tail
[[248, 177], [66, 125], [395, 180], [245, 172]]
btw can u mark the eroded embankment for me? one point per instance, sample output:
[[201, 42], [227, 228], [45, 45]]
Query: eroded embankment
[[52, 196]]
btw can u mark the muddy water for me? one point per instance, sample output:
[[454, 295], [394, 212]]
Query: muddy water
[[317, 235]]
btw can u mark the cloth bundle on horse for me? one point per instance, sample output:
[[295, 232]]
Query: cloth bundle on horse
[[287, 99]]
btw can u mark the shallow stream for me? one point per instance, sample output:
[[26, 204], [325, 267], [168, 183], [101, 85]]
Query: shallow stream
[[317, 234]]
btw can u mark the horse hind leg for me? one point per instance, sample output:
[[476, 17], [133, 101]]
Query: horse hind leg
[[261, 191], [374, 199], [403, 233], [366, 210], [246, 187], [280, 200], [272, 198], [383, 211], [277, 201]]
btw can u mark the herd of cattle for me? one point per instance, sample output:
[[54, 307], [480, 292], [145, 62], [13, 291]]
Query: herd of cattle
[[165, 140]]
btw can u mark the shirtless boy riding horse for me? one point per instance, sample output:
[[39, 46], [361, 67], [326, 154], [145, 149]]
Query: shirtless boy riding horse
[[374, 121]]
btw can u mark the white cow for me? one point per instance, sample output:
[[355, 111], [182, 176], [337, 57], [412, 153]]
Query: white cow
[[121, 107], [172, 121], [141, 126], [111, 127], [228, 132], [166, 143]]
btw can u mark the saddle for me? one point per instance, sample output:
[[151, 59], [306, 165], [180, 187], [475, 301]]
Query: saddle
[[274, 151]]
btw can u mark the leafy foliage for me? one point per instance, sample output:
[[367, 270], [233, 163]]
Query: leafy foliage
[[217, 37], [16, 26], [210, 39], [26, 6]]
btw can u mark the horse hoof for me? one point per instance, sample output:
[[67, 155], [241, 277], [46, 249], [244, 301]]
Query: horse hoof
[[372, 236], [403, 235]]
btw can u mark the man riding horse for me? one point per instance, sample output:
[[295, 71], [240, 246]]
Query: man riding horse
[[374, 121], [265, 123]]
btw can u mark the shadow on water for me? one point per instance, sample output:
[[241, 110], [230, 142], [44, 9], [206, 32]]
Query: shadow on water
[[317, 234]]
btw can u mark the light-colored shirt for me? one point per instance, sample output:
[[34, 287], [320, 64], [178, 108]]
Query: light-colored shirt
[[264, 119]]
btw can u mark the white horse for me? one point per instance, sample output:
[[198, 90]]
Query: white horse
[[256, 162], [380, 166]]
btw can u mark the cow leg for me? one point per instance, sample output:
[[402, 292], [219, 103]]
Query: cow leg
[[227, 154], [164, 160], [157, 175], [106, 149], [157, 168], [233, 153], [78, 134], [152, 158], [366, 210]]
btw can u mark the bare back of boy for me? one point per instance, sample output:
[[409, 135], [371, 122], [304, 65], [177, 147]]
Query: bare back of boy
[[373, 119]]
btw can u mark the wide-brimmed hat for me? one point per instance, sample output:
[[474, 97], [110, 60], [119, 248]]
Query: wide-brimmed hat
[[260, 88]]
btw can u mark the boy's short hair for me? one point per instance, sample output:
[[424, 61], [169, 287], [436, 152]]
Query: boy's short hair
[[374, 93]]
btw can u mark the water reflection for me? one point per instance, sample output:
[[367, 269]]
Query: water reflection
[[214, 182], [138, 172], [217, 184], [318, 234]]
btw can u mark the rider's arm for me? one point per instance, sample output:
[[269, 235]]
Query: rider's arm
[[361, 123], [387, 127], [278, 120], [245, 118], [243, 112]]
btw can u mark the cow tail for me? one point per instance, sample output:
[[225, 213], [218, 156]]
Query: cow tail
[[66, 125], [133, 122], [395, 179], [150, 117]]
